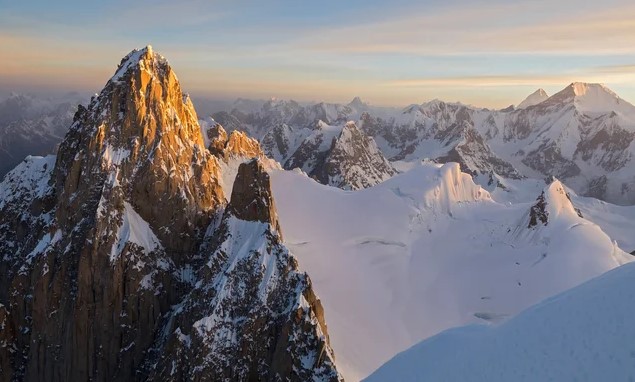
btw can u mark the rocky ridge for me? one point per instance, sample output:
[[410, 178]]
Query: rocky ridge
[[106, 240]]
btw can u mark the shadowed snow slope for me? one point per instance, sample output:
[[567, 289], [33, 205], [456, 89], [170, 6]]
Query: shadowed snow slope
[[426, 251], [583, 334]]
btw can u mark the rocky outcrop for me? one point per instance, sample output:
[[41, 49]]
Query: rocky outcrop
[[102, 241], [538, 212], [341, 156], [554, 200], [353, 162], [237, 144], [252, 314], [125, 206], [251, 198]]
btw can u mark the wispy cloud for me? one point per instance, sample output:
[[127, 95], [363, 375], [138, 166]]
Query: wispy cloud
[[513, 28]]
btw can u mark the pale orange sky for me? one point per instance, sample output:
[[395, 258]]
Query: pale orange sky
[[487, 53]]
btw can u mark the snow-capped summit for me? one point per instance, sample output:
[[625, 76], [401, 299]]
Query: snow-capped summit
[[533, 99], [553, 202], [341, 155], [593, 99], [558, 200]]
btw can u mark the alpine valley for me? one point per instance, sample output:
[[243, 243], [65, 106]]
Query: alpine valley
[[285, 241]]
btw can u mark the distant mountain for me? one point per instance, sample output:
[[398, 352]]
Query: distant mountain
[[533, 99], [32, 125], [340, 156], [577, 335], [583, 135], [123, 260]]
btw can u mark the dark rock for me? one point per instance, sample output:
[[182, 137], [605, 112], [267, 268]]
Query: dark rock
[[251, 198], [538, 212]]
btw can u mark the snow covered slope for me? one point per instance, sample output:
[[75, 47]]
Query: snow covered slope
[[428, 250], [584, 334]]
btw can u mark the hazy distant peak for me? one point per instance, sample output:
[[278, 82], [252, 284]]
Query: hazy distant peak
[[533, 99], [357, 103]]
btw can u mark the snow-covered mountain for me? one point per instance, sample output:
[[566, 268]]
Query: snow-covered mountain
[[583, 334], [340, 156], [583, 135], [428, 250], [336, 153], [123, 260], [31, 125], [533, 99]]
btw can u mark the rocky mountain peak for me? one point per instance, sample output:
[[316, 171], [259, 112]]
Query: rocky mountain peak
[[140, 138], [239, 144], [251, 198], [216, 138], [104, 239], [235, 145]]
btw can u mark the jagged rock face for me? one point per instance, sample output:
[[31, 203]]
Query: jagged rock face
[[252, 315], [354, 162], [341, 156], [104, 239], [251, 198], [280, 142], [126, 204], [475, 156], [607, 145], [217, 137], [237, 144], [141, 135]]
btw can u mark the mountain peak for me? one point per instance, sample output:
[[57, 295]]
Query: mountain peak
[[533, 99], [141, 134], [252, 199], [358, 103], [580, 89], [553, 201], [144, 58], [592, 98]]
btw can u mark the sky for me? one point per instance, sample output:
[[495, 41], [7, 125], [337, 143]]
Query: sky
[[488, 53]]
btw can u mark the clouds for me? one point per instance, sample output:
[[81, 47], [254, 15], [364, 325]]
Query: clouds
[[558, 28], [398, 53]]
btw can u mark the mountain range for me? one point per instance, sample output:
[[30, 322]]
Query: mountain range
[[279, 241], [582, 135], [31, 125]]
